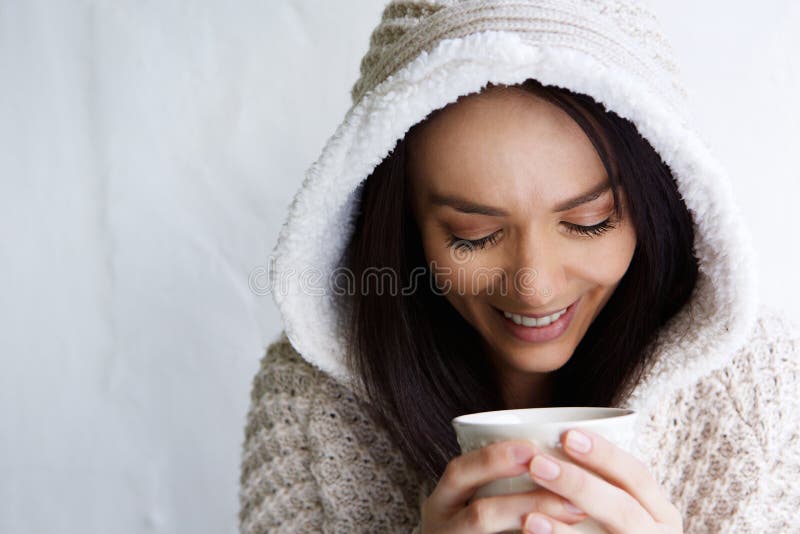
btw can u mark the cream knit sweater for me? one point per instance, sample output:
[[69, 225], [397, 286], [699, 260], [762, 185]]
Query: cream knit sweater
[[726, 448], [718, 415]]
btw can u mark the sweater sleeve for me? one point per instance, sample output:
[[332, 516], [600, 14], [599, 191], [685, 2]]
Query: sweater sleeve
[[763, 494], [313, 460]]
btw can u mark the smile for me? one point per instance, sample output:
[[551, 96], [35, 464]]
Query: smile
[[538, 329], [527, 320]]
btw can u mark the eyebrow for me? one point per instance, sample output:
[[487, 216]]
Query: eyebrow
[[466, 206]]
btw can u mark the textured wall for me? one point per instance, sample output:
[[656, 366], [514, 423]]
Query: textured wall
[[148, 153]]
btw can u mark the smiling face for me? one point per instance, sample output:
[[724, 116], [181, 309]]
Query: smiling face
[[505, 188]]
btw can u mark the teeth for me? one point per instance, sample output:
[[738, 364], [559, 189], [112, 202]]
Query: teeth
[[530, 321]]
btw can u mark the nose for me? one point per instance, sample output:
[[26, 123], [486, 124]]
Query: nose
[[537, 278]]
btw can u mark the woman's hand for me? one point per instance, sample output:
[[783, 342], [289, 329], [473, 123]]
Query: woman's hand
[[609, 484], [446, 510]]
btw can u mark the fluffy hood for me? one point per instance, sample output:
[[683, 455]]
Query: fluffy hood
[[425, 54]]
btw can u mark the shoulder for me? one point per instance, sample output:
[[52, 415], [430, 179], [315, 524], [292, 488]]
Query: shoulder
[[284, 372], [291, 388], [276, 485], [306, 426], [765, 371], [281, 364], [773, 342], [761, 381], [734, 435], [762, 373]]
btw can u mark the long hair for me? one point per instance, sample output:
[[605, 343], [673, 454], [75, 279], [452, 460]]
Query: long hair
[[421, 363]]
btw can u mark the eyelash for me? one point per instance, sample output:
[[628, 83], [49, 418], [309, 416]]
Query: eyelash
[[459, 243], [589, 231]]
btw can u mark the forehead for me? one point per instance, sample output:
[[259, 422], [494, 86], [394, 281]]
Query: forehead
[[502, 137]]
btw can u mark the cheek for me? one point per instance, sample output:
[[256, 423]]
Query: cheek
[[436, 251], [440, 259], [606, 261], [460, 275]]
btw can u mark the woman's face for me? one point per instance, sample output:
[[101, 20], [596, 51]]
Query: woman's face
[[507, 170]]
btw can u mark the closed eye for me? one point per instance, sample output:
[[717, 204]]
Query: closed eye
[[459, 243], [591, 231]]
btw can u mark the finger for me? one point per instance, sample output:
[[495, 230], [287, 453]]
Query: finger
[[621, 469], [466, 473], [506, 512], [536, 523], [605, 502]]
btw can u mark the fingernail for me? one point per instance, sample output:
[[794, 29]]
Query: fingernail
[[578, 441], [571, 508], [538, 525], [521, 454], [544, 468]]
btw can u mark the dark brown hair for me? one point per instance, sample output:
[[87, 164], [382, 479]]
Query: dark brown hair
[[421, 363]]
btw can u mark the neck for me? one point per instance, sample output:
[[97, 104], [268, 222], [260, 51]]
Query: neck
[[526, 391], [521, 389]]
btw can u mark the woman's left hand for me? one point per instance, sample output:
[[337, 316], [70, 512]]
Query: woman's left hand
[[612, 486]]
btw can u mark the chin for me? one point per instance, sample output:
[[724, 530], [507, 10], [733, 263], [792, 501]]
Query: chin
[[541, 360], [535, 359]]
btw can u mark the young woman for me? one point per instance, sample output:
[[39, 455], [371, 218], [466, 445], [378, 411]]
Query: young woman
[[517, 213]]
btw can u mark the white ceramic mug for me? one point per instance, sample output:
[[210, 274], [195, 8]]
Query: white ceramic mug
[[543, 427]]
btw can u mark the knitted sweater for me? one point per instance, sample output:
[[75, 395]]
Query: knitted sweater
[[725, 447], [717, 411]]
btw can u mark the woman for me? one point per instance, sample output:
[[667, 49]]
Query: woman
[[516, 212]]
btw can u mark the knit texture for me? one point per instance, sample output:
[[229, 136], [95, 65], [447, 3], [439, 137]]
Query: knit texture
[[315, 458], [609, 31], [724, 448]]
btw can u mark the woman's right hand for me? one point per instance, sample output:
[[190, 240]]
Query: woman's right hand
[[446, 509]]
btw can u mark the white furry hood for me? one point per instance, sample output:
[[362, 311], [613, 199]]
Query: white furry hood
[[423, 56]]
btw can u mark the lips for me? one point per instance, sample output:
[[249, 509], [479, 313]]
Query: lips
[[530, 321], [540, 334], [535, 315]]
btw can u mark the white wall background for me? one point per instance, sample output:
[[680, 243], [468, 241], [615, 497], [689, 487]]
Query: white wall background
[[148, 154]]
